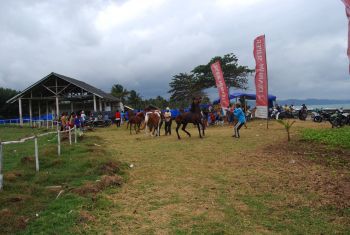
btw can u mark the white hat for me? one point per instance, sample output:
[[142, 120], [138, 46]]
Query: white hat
[[167, 108]]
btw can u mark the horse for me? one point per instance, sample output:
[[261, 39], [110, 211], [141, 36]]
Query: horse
[[136, 121], [152, 122], [130, 115], [194, 116]]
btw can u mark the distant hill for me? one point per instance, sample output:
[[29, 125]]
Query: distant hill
[[312, 101]]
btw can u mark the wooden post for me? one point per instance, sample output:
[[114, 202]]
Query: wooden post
[[20, 112], [71, 107], [36, 154], [57, 109], [30, 114], [95, 106], [1, 166], [70, 135], [58, 142], [75, 134]]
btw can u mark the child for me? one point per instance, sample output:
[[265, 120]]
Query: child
[[238, 112]]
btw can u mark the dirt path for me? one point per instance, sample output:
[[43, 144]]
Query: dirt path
[[218, 185]]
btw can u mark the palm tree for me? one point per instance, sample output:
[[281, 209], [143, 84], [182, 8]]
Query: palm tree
[[134, 99], [119, 92]]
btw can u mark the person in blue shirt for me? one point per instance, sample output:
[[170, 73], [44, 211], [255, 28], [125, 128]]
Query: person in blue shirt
[[239, 114]]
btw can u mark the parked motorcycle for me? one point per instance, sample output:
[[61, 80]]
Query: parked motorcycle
[[320, 115], [339, 119]]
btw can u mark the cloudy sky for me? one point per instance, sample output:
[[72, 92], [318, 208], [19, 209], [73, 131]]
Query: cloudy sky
[[141, 44]]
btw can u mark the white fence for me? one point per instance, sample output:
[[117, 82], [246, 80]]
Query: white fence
[[36, 147], [34, 123]]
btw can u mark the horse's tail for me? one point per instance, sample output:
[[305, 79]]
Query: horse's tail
[[143, 125]]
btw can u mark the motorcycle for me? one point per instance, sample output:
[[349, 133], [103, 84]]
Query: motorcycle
[[339, 119], [320, 115]]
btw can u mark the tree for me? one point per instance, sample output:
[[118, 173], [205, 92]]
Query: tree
[[135, 100], [287, 125], [235, 75], [183, 87], [158, 101], [7, 110], [119, 92]]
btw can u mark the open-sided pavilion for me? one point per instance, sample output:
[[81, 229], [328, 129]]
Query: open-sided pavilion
[[60, 93]]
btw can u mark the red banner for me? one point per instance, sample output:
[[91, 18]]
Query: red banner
[[347, 10], [220, 84], [261, 77]]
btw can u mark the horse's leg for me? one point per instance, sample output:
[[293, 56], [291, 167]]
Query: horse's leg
[[184, 129], [130, 125], [158, 129], [199, 130], [146, 128], [138, 127], [135, 128], [152, 130], [203, 127], [177, 130]]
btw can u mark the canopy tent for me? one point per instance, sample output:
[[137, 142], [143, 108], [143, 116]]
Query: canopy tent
[[246, 96]]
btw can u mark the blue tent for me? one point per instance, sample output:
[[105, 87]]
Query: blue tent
[[246, 96]]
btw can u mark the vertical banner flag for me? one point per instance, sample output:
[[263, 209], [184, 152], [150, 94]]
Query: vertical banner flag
[[261, 77], [220, 84], [347, 10]]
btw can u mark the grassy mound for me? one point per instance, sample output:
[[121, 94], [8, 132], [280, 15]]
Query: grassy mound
[[58, 196]]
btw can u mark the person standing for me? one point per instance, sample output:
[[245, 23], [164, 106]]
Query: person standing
[[63, 121], [117, 118], [82, 118], [238, 112], [168, 120]]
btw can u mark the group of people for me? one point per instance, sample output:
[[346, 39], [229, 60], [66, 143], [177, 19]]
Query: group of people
[[235, 115], [71, 120], [288, 112]]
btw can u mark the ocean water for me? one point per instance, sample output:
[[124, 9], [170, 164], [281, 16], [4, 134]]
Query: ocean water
[[329, 106]]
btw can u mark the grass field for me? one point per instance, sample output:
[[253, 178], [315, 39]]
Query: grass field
[[259, 183]]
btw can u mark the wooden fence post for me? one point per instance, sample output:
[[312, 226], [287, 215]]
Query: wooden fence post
[[1, 166], [70, 135], [36, 154], [75, 134]]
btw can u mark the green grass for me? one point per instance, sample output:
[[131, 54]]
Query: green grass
[[27, 206], [214, 185], [337, 137]]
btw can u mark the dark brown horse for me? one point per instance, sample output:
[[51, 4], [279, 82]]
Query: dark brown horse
[[193, 116], [130, 115], [136, 121]]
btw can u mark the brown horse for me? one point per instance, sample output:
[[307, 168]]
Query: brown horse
[[152, 122], [136, 121], [194, 116]]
